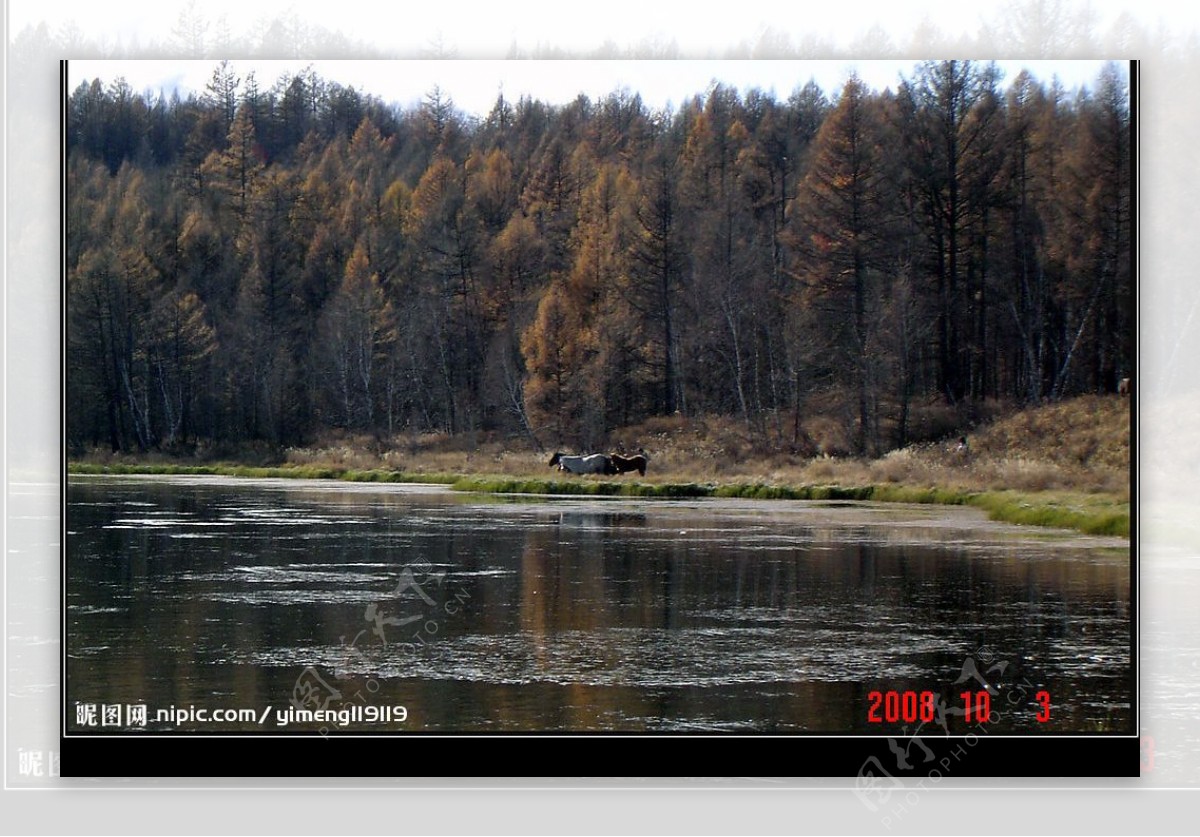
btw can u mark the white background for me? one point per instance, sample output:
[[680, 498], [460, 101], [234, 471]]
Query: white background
[[1158, 32]]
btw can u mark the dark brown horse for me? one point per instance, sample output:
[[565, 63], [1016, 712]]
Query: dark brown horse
[[636, 462]]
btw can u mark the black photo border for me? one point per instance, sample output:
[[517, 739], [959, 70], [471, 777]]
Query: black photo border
[[866, 759]]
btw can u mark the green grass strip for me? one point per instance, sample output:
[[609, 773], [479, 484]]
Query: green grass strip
[[306, 472], [1088, 514], [590, 488]]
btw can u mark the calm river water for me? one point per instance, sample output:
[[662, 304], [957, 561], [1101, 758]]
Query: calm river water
[[481, 614]]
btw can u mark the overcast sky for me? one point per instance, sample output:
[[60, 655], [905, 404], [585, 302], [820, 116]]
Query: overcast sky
[[474, 84]]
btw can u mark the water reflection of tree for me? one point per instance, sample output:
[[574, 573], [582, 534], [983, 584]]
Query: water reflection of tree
[[562, 590]]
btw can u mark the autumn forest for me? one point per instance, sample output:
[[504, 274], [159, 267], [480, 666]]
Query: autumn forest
[[265, 263]]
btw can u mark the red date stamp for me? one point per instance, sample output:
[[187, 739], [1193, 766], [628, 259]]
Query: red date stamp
[[1043, 699], [909, 707]]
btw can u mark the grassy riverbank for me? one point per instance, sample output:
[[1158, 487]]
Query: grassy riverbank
[[1088, 513], [1063, 465], [303, 472]]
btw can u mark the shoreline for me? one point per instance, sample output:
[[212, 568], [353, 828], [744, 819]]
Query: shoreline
[[1088, 513]]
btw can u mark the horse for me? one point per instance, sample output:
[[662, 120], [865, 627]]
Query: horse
[[637, 462], [595, 463]]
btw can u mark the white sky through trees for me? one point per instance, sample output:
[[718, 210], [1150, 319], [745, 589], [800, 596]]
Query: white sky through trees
[[473, 85]]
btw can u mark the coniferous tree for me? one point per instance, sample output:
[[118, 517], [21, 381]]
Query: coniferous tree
[[843, 222], [937, 109]]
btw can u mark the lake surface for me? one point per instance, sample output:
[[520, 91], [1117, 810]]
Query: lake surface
[[482, 614]]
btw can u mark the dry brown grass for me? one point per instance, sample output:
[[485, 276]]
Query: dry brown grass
[[1091, 432], [1080, 445]]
